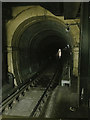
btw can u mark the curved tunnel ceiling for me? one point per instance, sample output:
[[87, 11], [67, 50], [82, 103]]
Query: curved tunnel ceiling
[[34, 41]]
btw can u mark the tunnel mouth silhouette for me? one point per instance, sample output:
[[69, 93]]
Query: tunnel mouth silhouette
[[34, 42]]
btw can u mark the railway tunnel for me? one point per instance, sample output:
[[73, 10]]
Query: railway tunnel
[[32, 36]]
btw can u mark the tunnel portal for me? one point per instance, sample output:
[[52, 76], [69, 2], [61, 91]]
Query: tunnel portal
[[37, 42]]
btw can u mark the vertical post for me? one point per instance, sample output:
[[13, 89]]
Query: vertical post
[[84, 51], [0, 57], [0, 44], [89, 55]]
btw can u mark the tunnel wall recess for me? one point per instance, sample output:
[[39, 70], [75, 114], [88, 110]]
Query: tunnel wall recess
[[26, 34]]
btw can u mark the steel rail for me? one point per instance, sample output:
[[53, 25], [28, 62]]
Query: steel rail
[[19, 91], [44, 93]]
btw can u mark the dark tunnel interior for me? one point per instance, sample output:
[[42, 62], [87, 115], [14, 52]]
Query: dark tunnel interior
[[37, 44]]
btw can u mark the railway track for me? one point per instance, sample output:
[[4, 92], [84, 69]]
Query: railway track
[[31, 97]]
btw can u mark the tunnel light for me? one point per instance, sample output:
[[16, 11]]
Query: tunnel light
[[68, 46], [82, 93], [72, 109], [59, 53], [67, 29]]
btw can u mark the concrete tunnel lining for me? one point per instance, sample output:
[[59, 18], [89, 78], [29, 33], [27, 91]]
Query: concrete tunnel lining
[[28, 40]]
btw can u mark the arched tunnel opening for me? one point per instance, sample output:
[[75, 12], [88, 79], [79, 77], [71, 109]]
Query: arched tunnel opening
[[37, 43]]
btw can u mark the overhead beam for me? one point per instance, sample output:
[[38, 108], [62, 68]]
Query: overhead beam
[[71, 9]]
